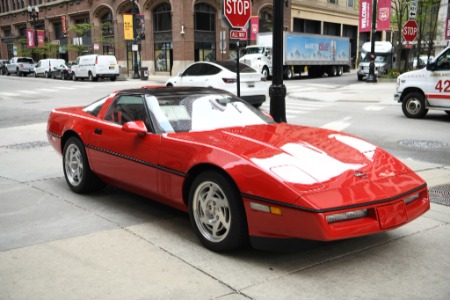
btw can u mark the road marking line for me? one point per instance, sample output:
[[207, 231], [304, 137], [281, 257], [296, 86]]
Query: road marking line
[[373, 108], [9, 94], [338, 125], [46, 90]]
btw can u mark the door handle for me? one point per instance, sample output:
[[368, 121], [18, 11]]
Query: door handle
[[98, 131]]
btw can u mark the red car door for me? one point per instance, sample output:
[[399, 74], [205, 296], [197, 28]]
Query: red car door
[[126, 159]]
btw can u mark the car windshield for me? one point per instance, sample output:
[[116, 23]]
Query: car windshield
[[198, 112], [378, 58], [254, 50]]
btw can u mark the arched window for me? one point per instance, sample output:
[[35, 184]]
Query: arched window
[[266, 19], [107, 26], [205, 32], [162, 28]]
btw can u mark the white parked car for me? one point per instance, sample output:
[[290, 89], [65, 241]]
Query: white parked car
[[45, 66], [222, 75], [93, 67]]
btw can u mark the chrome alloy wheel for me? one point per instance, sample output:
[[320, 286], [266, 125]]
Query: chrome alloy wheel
[[413, 106], [211, 210], [73, 164]]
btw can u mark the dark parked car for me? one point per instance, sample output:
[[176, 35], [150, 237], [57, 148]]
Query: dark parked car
[[62, 72], [3, 66]]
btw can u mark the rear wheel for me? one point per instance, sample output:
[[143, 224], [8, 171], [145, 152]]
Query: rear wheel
[[217, 213], [77, 172], [74, 77], [63, 76], [90, 77], [113, 78], [289, 74], [413, 105]]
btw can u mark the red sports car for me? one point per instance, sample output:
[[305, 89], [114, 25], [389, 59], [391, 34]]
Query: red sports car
[[241, 176]]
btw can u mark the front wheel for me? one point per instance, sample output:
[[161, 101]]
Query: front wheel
[[289, 73], [265, 72], [76, 167], [413, 105], [74, 77], [217, 213]]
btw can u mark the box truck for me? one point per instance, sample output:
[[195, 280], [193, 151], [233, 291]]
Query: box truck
[[309, 54]]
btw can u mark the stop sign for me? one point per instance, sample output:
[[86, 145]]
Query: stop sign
[[410, 31], [237, 12]]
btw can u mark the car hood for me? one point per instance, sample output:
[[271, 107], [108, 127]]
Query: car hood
[[313, 160]]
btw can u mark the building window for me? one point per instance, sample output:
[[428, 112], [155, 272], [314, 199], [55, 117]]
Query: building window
[[162, 24], [205, 18], [350, 3], [107, 25], [205, 32], [266, 19], [58, 30], [162, 18], [333, 1]]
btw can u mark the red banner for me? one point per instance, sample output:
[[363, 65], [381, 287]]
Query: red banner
[[254, 27], [30, 38], [40, 38], [365, 15], [447, 29], [63, 24], [384, 15]]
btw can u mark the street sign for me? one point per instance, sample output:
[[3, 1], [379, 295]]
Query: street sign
[[237, 12], [413, 9], [238, 35], [410, 31]]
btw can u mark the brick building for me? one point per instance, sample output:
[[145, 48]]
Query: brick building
[[174, 33]]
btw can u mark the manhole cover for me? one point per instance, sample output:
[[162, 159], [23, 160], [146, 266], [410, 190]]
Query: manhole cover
[[27, 146], [440, 194], [422, 144]]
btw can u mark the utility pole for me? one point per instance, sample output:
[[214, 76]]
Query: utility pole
[[372, 77]]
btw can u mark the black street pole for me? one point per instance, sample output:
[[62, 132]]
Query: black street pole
[[372, 77], [277, 91], [34, 14], [136, 68]]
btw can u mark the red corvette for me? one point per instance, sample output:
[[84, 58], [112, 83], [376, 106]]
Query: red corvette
[[240, 175]]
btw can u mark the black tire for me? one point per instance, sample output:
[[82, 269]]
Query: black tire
[[340, 71], [74, 77], [360, 77], [63, 76], [217, 213], [46, 75], [447, 112], [90, 77], [265, 72], [169, 85], [413, 105], [113, 78], [76, 168], [288, 73]]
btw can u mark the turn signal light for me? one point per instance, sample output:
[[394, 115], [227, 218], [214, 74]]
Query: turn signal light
[[265, 208], [229, 80]]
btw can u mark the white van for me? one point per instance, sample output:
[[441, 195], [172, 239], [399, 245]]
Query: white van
[[95, 66], [428, 88], [45, 66]]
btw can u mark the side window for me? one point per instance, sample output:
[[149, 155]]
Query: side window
[[126, 108], [210, 70], [443, 62], [192, 70]]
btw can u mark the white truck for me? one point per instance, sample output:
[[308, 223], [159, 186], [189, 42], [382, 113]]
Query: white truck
[[427, 88], [21, 66], [309, 54], [383, 59]]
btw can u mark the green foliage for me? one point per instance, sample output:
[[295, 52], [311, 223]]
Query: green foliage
[[80, 29]]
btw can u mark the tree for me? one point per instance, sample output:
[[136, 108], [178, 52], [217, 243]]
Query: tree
[[80, 31], [427, 19], [399, 17]]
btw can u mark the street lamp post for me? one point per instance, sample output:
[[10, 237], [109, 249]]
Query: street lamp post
[[372, 77], [136, 67], [277, 91], [33, 13]]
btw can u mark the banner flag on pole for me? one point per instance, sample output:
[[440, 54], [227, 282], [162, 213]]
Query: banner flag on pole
[[365, 15]]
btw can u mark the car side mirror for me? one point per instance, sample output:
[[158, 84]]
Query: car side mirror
[[431, 66], [137, 127]]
